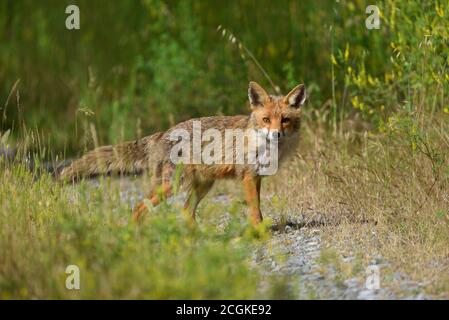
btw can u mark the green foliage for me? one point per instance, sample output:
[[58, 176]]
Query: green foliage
[[46, 227], [144, 65], [401, 66]]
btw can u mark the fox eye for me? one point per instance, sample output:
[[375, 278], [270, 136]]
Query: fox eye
[[285, 120], [266, 120]]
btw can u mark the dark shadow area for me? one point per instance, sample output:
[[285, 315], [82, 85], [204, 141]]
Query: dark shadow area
[[282, 226]]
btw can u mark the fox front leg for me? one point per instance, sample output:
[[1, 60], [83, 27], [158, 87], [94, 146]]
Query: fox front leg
[[252, 184]]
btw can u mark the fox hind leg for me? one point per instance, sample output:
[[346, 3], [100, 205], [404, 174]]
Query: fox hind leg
[[196, 193], [161, 189]]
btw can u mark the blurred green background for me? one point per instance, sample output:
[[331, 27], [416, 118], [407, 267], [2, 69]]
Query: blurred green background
[[139, 66]]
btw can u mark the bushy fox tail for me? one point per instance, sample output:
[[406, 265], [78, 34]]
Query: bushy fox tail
[[131, 157]]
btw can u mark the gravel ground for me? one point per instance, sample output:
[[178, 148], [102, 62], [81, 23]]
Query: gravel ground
[[301, 250]]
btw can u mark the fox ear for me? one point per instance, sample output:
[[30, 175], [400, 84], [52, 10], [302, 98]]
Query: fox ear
[[257, 95], [296, 97]]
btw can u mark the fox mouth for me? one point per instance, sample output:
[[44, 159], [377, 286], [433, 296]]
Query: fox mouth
[[268, 135], [274, 136]]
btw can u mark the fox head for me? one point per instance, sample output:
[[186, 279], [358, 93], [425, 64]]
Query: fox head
[[276, 116]]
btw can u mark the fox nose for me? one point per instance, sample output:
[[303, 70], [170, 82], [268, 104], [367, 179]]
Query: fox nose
[[275, 135]]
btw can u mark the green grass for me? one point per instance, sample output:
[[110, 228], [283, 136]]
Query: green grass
[[46, 226]]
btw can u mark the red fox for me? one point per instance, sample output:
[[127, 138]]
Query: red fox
[[276, 118]]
